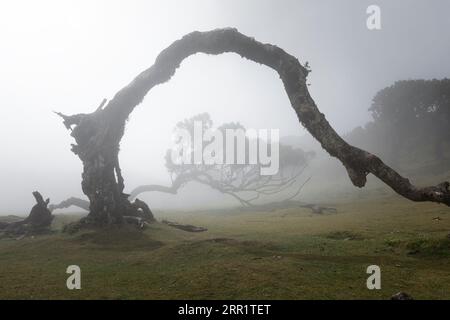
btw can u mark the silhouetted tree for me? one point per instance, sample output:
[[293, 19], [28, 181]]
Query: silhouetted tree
[[408, 117], [98, 134], [244, 182]]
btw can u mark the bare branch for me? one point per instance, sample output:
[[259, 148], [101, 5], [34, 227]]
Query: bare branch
[[80, 203]]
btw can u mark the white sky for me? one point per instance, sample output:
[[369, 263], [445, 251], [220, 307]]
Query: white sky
[[68, 55]]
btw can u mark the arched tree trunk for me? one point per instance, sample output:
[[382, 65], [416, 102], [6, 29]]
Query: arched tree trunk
[[98, 134]]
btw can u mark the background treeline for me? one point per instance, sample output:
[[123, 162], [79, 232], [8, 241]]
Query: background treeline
[[410, 126]]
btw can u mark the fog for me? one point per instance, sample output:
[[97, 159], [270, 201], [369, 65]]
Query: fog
[[68, 55]]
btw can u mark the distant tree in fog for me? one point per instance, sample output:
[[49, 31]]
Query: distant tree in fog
[[244, 182], [409, 117]]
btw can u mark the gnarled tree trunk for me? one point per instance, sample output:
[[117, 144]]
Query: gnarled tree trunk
[[98, 134]]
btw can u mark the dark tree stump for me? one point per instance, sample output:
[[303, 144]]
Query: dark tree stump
[[38, 221]]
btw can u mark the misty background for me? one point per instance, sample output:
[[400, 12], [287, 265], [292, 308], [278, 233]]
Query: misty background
[[69, 55]]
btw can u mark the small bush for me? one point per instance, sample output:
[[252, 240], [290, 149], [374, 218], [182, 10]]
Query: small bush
[[430, 247]]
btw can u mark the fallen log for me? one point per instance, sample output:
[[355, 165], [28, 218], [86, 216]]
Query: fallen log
[[289, 204], [184, 227]]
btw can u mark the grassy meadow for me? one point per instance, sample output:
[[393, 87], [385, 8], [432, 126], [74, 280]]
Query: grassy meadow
[[284, 254]]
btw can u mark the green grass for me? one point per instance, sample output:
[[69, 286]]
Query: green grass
[[286, 254]]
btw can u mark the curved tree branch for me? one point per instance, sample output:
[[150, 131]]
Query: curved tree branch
[[179, 181], [359, 163]]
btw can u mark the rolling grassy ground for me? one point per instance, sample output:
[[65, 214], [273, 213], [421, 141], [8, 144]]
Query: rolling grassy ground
[[285, 254]]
